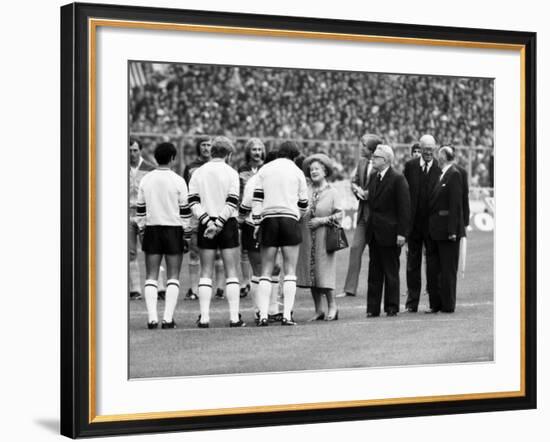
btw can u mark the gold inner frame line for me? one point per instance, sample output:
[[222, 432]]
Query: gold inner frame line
[[92, 28]]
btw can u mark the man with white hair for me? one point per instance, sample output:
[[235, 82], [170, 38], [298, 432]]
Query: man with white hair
[[422, 174], [387, 229]]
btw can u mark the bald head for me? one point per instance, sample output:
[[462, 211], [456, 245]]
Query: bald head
[[427, 145], [427, 140], [445, 155]]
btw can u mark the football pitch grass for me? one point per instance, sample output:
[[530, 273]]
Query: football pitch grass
[[353, 341]]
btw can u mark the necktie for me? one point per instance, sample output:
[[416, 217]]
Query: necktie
[[377, 181], [368, 171], [425, 169]]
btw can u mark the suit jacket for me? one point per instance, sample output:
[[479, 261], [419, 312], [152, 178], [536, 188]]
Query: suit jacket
[[446, 213], [412, 172], [361, 179], [390, 208], [465, 195]]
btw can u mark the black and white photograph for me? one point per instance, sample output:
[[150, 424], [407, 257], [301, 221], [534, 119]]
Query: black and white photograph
[[284, 219]]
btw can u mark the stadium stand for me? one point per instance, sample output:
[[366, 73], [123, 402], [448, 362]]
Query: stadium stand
[[333, 108]]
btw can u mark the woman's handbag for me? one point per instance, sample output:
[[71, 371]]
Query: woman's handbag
[[336, 238]]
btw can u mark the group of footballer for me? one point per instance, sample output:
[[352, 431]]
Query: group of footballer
[[250, 216]]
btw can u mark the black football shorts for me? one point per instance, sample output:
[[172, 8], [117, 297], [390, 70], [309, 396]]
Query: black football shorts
[[227, 238], [279, 231], [163, 240]]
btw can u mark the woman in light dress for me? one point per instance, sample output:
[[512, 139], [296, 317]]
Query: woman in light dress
[[317, 268]]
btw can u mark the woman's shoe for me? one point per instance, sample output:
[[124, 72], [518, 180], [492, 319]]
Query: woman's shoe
[[332, 318], [318, 317]]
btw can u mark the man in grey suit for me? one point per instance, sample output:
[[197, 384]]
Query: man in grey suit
[[359, 182]]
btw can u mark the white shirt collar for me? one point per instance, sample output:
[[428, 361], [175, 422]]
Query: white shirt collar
[[383, 172], [445, 169], [429, 163]]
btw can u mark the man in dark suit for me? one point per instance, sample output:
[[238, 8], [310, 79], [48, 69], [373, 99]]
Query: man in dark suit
[[422, 175], [446, 227], [359, 182], [465, 192], [386, 231]]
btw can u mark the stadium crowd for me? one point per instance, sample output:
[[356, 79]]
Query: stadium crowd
[[331, 107]]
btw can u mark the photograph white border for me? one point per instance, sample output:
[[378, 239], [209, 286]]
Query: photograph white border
[[117, 395]]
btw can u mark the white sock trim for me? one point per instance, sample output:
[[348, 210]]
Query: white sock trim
[[205, 282]]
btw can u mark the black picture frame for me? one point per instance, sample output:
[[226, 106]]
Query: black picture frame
[[76, 249]]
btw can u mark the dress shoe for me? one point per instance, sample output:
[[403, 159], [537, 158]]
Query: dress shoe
[[263, 322], [190, 296], [168, 324], [318, 317], [372, 315], [152, 325], [431, 311], [333, 317], [202, 324], [286, 321], [244, 291], [276, 317], [447, 311], [392, 313], [239, 323], [344, 294], [412, 309], [134, 296], [219, 294]]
